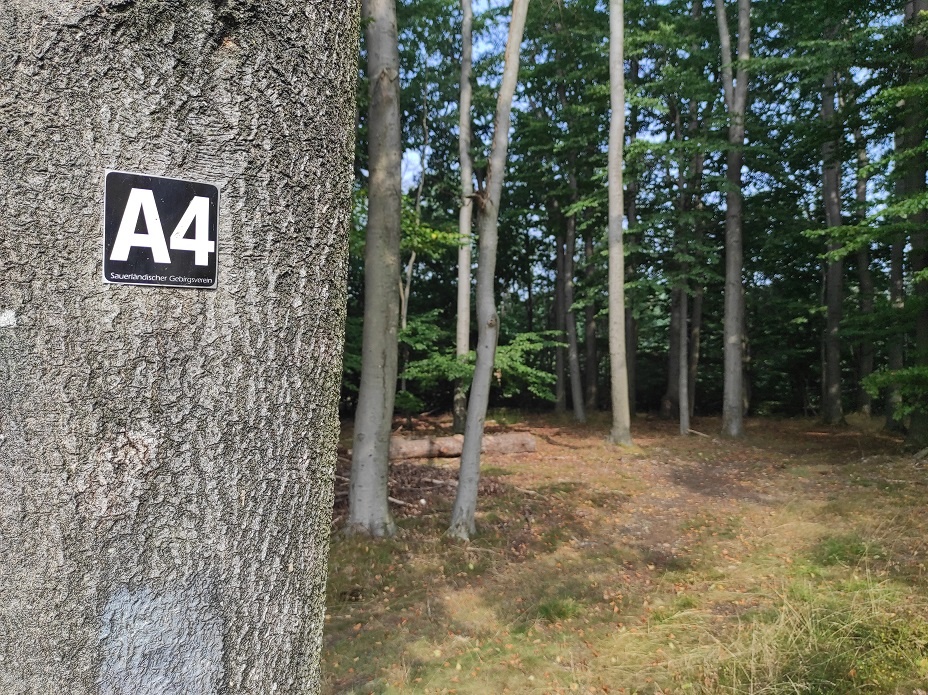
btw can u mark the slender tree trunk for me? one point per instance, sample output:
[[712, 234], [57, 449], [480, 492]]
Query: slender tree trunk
[[589, 328], [896, 347], [631, 323], [832, 410], [462, 335], [465, 503], [573, 348], [368, 510], [683, 368], [865, 280], [736, 94], [671, 398], [166, 454], [915, 125], [560, 325], [695, 344], [621, 413]]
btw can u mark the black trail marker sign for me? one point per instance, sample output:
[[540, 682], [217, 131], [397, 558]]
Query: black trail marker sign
[[159, 231]]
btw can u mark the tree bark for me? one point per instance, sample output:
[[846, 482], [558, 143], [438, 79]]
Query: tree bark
[[166, 454], [560, 325], [916, 168], [462, 335], [589, 329], [694, 348], [671, 399], [896, 340], [865, 281], [736, 94], [463, 525], [573, 347], [832, 410], [683, 368], [369, 512], [621, 414]]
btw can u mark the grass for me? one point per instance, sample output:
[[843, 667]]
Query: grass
[[688, 566]]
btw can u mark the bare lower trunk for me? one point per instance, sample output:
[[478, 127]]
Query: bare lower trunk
[[915, 125], [694, 348], [865, 360], [736, 103], [621, 414], [671, 399], [465, 503], [631, 358], [683, 366], [166, 454], [560, 325], [573, 348], [462, 335], [589, 338], [832, 410], [896, 347], [368, 510]]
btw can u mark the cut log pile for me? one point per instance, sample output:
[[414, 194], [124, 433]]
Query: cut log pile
[[450, 447]]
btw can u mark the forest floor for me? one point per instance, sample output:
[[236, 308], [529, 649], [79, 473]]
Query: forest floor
[[793, 561]]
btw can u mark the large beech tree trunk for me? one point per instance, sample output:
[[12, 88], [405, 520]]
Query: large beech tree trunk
[[621, 413], [368, 509], [166, 455], [465, 503], [465, 216], [736, 96]]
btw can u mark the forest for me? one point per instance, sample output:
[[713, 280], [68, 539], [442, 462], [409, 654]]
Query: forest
[[831, 209], [683, 245]]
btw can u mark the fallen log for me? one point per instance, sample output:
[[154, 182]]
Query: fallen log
[[450, 447]]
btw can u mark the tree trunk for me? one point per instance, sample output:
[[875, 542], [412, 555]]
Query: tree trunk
[[573, 348], [465, 502], [736, 95], [695, 345], [589, 338], [683, 375], [560, 325], [915, 125], [832, 411], [368, 509], [896, 340], [166, 454], [462, 341], [671, 399], [865, 280], [621, 414]]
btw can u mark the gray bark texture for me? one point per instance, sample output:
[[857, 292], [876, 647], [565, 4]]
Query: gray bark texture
[[463, 523], [915, 10], [369, 512], [621, 432], [832, 410], [167, 455], [465, 216], [736, 96]]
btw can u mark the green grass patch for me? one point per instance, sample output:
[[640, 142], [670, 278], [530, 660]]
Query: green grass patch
[[848, 550]]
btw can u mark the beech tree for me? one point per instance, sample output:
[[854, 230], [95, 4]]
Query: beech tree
[[465, 502], [621, 414], [370, 458], [735, 85], [465, 218], [166, 455]]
